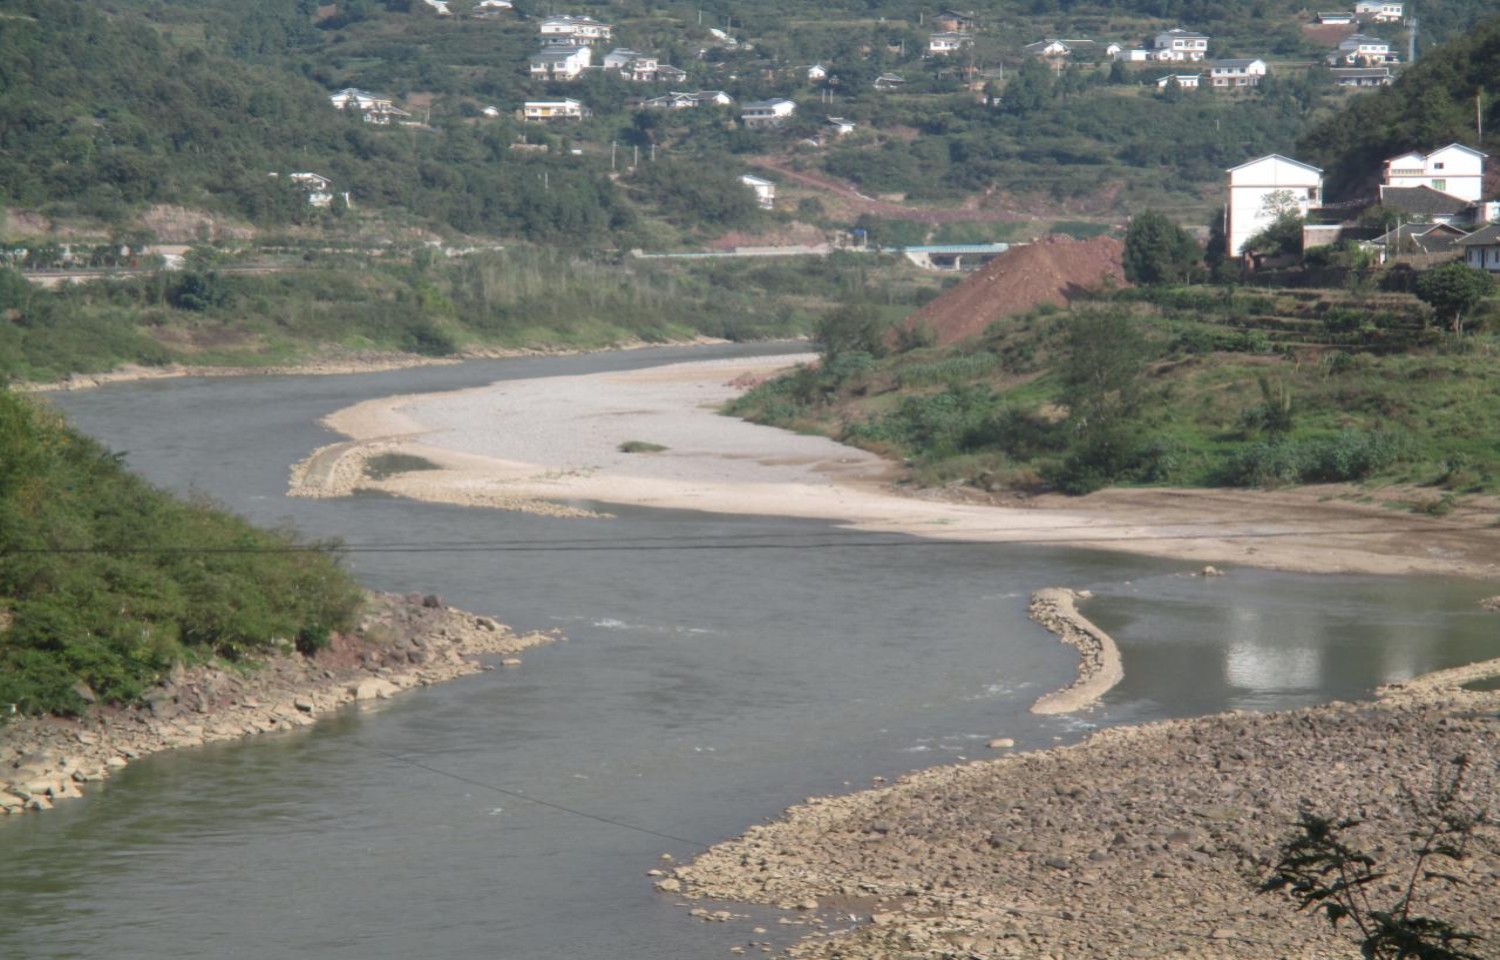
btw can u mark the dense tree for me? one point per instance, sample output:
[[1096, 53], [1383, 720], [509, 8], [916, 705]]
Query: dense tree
[[1158, 250], [1452, 290]]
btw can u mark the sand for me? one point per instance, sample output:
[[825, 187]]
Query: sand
[[551, 445]]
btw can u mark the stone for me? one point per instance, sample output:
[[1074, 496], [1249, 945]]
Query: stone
[[511, 662], [375, 688], [1212, 571], [1001, 743], [669, 885]]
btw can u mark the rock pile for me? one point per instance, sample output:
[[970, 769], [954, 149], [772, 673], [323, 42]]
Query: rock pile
[[1140, 842], [403, 642]]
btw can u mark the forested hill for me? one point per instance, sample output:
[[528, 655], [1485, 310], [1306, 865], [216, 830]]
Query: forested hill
[[1434, 104], [106, 582]]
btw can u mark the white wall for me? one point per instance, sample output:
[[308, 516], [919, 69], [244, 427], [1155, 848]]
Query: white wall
[[1252, 183]]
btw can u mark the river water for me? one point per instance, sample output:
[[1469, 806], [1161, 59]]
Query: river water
[[717, 669]]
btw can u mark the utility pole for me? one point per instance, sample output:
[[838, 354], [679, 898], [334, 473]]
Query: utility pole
[[1411, 43], [612, 145]]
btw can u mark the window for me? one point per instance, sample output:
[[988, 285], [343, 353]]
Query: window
[[1437, 166], [1440, 184]]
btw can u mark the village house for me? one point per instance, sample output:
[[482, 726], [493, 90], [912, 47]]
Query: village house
[[561, 63], [1360, 50], [1425, 204], [375, 108], [942, 44], [815, 72], [666, 73], [952, 21], [1080, 50], [766, 113], [1186, 81], [1456, 170], [1236, 73], [839, 126], [1379, 11], [1482, 248], [440, 6], [889, 81], [713, 98], [1335, 19], [1261, 189], [1362, 76], [765, 191], [491, 9], [1178, 45], [490, 111], [542, 111], [568, 30], [670, 101], [1417, 238]]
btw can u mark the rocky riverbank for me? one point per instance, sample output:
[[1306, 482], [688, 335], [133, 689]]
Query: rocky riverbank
[[1140, 842], [401, 643], [1099, 666]]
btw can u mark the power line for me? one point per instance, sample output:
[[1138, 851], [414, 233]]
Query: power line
[[610, 821], [1078, 533]]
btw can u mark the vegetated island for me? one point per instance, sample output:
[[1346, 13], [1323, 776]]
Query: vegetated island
[[132, 622]]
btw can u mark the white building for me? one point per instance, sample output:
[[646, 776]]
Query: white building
[[1187, 81], [376, 109], [561, 63], [765, 191], [566, 30], [1456, 170], [1380, 11], [1178, 45], [1358, 49], [544, 110], [766, 113], [942, 44], [1339, 19], [1261, 189], [1236, 73]]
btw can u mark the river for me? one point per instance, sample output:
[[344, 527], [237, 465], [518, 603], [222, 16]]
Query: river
[[717, 669]]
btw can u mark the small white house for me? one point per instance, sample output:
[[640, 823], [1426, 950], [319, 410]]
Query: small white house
[[561, 63], [1456, 170], [839, 126], [542, 111], [765, 191], [1335, 19], [1187, 81], [1178, 45], [490, 110], [1236, 73], [712, 98], [1260, 189], [889, 81], [440, 6], [942, 44], [1380, 11], [766, 113], [817, 72], [1362, 76]]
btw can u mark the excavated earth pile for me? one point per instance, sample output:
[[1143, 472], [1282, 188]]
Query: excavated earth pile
[[1058, 270]]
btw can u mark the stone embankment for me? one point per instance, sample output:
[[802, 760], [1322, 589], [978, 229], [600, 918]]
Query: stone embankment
[[1140, 842], [402, 643], [1099, 666]]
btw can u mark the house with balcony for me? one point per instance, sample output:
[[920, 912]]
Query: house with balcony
[[1262, 189], [546, 111], [561, 63], [569, 30], [1186, 81], [1380, 11], [1178, 45], [766, 113], [1362, 76], [1359, 50], [1232, 74], [1456, 170]]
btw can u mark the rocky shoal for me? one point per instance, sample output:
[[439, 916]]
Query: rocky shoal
[[1148, 841], [401, 643]]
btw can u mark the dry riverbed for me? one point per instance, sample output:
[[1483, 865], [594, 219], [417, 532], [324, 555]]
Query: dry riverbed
[[1140, 842], [402, 643]]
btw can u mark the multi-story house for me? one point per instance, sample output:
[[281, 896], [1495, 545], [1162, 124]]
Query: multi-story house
[[1178, 45], [561, 63], [1236, 73], [1260, 190], [566, 30], [1456, 170]]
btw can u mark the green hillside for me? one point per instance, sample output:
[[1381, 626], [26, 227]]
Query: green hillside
[[106, 582]]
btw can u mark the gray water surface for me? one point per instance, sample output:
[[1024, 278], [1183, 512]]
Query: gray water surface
[[717, 669]]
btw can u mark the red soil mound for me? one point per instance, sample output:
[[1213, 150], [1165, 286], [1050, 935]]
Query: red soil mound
[[1057, 270]]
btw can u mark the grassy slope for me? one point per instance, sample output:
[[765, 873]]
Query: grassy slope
[[993, 412]]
